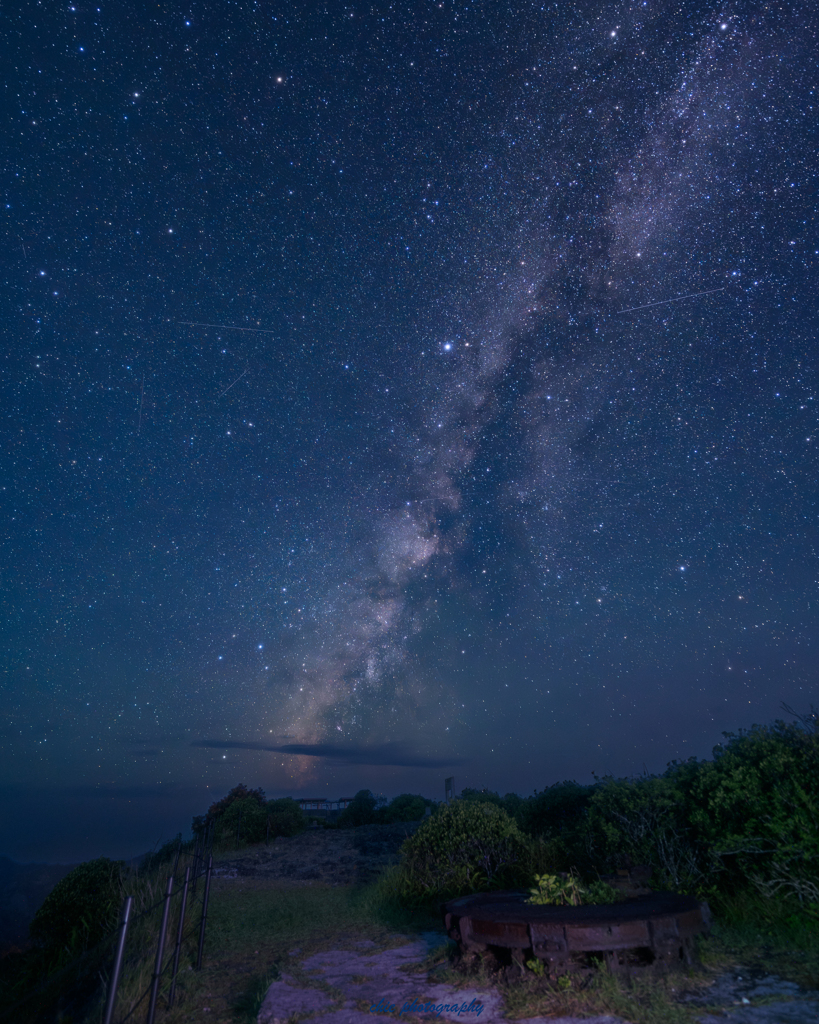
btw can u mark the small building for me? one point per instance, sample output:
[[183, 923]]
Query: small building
[[321, 807]]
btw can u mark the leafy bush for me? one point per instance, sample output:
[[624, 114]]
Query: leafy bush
[[405, 807], [756, 805], [285, 817], [481, 796], [464, 847], [80, 909], [360, 811], [569, 891], [558, 810], [240, 792], [645, 821], [243, 823]]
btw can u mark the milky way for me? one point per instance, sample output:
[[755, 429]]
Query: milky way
[[399, 394]]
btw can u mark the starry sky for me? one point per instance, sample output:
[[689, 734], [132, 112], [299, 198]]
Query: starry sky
[[396, 391]]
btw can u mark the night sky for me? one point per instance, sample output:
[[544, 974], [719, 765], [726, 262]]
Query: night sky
[[398, 391]]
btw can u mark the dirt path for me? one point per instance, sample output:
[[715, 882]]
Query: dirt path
[[354, 986]]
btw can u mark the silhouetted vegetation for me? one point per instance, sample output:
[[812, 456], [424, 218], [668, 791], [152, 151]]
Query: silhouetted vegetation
[[741, 830], [465, 846], [364, 809], [244, 817], [745, 822]]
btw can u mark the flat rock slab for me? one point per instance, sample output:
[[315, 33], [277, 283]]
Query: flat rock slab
[[733, 995], [360, 986]]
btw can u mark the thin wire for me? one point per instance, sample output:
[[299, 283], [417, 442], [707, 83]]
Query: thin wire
[[97, 950], [135, 1007]]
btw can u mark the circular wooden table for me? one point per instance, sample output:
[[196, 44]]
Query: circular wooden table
[[656, 930]]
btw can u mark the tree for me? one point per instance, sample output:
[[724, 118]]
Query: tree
[[360, 811], [285, 817], [406, 807]]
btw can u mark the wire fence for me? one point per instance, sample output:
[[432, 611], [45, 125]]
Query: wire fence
[[112, 948]]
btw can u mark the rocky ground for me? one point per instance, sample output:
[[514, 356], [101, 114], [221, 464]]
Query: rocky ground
[[352, 856], [353, 986]]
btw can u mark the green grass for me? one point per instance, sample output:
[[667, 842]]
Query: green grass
[[254, 931], [774, 935], [258, 929]]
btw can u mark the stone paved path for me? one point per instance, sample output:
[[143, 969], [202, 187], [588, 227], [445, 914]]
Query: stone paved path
[[375, 983]]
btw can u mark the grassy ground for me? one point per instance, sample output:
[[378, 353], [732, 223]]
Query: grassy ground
[[768, 935], [257, 929], [751, 935]]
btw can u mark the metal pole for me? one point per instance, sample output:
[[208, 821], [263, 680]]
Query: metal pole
[[113, 985], [204, 913], [160, 952], [195, 869], [179, 931], [178, 851]]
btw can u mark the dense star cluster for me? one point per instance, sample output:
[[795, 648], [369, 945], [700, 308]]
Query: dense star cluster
[[398, 391]]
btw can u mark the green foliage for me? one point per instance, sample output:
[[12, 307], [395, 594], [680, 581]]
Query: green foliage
[[361, 810], [552, 890], [601, 892], [80, 909], [559, 810], [567, 890], [464, 847], [216, 810], [406, 807], [285, 817], [645, 821], [242, 823], [757, 806], [481, 796]]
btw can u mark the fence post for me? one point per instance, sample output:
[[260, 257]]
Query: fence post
[[204, 913], [113, 984], [179, 931], [160, 952], [195, 869]]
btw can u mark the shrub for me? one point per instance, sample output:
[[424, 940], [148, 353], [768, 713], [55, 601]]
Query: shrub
[[240, 792], [756, 805], [464, 847], [244, 822], [360, 811], [285, 817], [405, 807], [644, 821], [558, 810], [569, 891], [481, 796], [80, 909]]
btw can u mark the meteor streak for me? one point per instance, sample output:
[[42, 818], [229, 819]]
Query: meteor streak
[[678, 298], [224, 327], [235, 382]]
